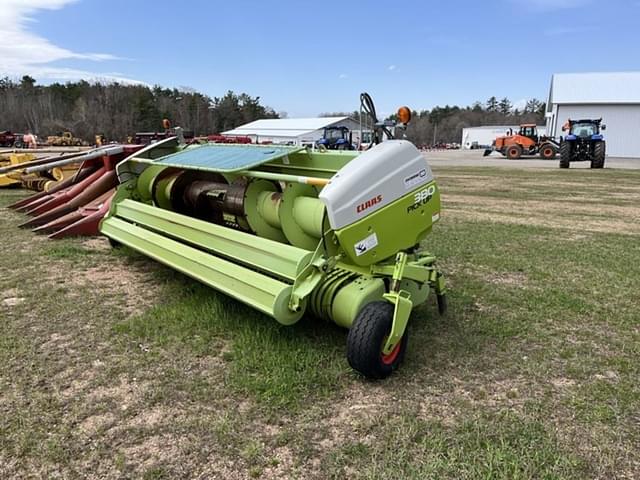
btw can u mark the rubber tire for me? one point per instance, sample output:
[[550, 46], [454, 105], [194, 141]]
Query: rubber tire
[[544, 152], [514, 152], [599, 151], [565, 155], [366, 339]]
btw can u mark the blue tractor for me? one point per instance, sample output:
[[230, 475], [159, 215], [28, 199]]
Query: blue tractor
[[583, 143], [336, 138]]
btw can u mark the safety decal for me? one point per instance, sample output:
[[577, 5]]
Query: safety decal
[[367, 244]]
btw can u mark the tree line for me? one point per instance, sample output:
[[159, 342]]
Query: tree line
[[445, 124], [117, 110]]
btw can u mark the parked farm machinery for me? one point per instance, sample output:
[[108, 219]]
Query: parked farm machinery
[[65, 139], [584, 142], [76, 202], [525, 142], [290, 230]]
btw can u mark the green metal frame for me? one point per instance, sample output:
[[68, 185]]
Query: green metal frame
[[295, 259]]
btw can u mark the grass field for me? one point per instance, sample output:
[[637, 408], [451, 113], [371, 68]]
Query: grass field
[[112, 366]]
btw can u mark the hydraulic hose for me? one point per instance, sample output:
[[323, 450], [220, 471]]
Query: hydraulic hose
[[367, 105]]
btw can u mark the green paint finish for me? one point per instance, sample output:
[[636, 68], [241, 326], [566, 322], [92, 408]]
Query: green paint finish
[[293, 219], [269, 208], [254, 218], [162, 191], [294, 260], [309, 213], [264, 293], [419, 291], [308, 279], [146, 180], [312, 163], [403, 306], [352, 297], [394, 228], [273, 258]]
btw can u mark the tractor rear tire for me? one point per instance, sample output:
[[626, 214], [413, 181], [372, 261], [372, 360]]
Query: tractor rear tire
[[599, 151], [366, 339], [514, 152], [565, 155], [548, 151]]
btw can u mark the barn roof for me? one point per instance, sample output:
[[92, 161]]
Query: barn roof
[[595, 88], [284, 127]]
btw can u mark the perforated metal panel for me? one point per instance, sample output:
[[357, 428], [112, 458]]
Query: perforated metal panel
[[225, 158]]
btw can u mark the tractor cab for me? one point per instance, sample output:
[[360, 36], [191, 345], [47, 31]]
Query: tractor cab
[[336, 138], [529, 131], [585, 128]]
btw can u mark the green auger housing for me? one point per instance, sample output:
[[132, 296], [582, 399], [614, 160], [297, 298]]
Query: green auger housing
[[288, 230]]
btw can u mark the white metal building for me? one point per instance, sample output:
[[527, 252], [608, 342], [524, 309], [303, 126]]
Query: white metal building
[[613, 96], [480, 137], [294, 131]]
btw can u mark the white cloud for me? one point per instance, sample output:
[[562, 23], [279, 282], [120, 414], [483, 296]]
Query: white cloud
[[391, 68], [23, 52], [343, 75], [547, 5]]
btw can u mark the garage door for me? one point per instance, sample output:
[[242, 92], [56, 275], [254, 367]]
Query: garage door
[[622, 121]]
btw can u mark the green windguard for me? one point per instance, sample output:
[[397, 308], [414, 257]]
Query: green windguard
[[223, 158]]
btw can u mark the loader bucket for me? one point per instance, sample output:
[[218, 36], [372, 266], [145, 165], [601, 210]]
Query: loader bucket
[[487, 152]]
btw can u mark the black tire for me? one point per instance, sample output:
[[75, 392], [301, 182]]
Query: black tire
[[366, 339], [565, 155], [514, 152], [548, 151], [599, 152]]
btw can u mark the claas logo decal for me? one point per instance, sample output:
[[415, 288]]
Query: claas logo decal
[[369, 203], [422, 198]]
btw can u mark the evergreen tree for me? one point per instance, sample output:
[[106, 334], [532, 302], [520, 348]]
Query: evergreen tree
[[505, 106]]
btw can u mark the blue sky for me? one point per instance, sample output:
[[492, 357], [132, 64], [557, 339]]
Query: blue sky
[[310, 57]]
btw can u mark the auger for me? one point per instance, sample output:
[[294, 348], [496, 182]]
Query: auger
[[291, 230]]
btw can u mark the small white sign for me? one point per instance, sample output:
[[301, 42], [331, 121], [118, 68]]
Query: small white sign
[[436, 217], [415, 179], [367, 244]]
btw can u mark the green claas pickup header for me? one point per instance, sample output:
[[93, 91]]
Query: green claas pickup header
[[289, 230]]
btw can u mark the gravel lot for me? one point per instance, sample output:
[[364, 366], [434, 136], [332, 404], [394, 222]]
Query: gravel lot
[[474, 158]]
